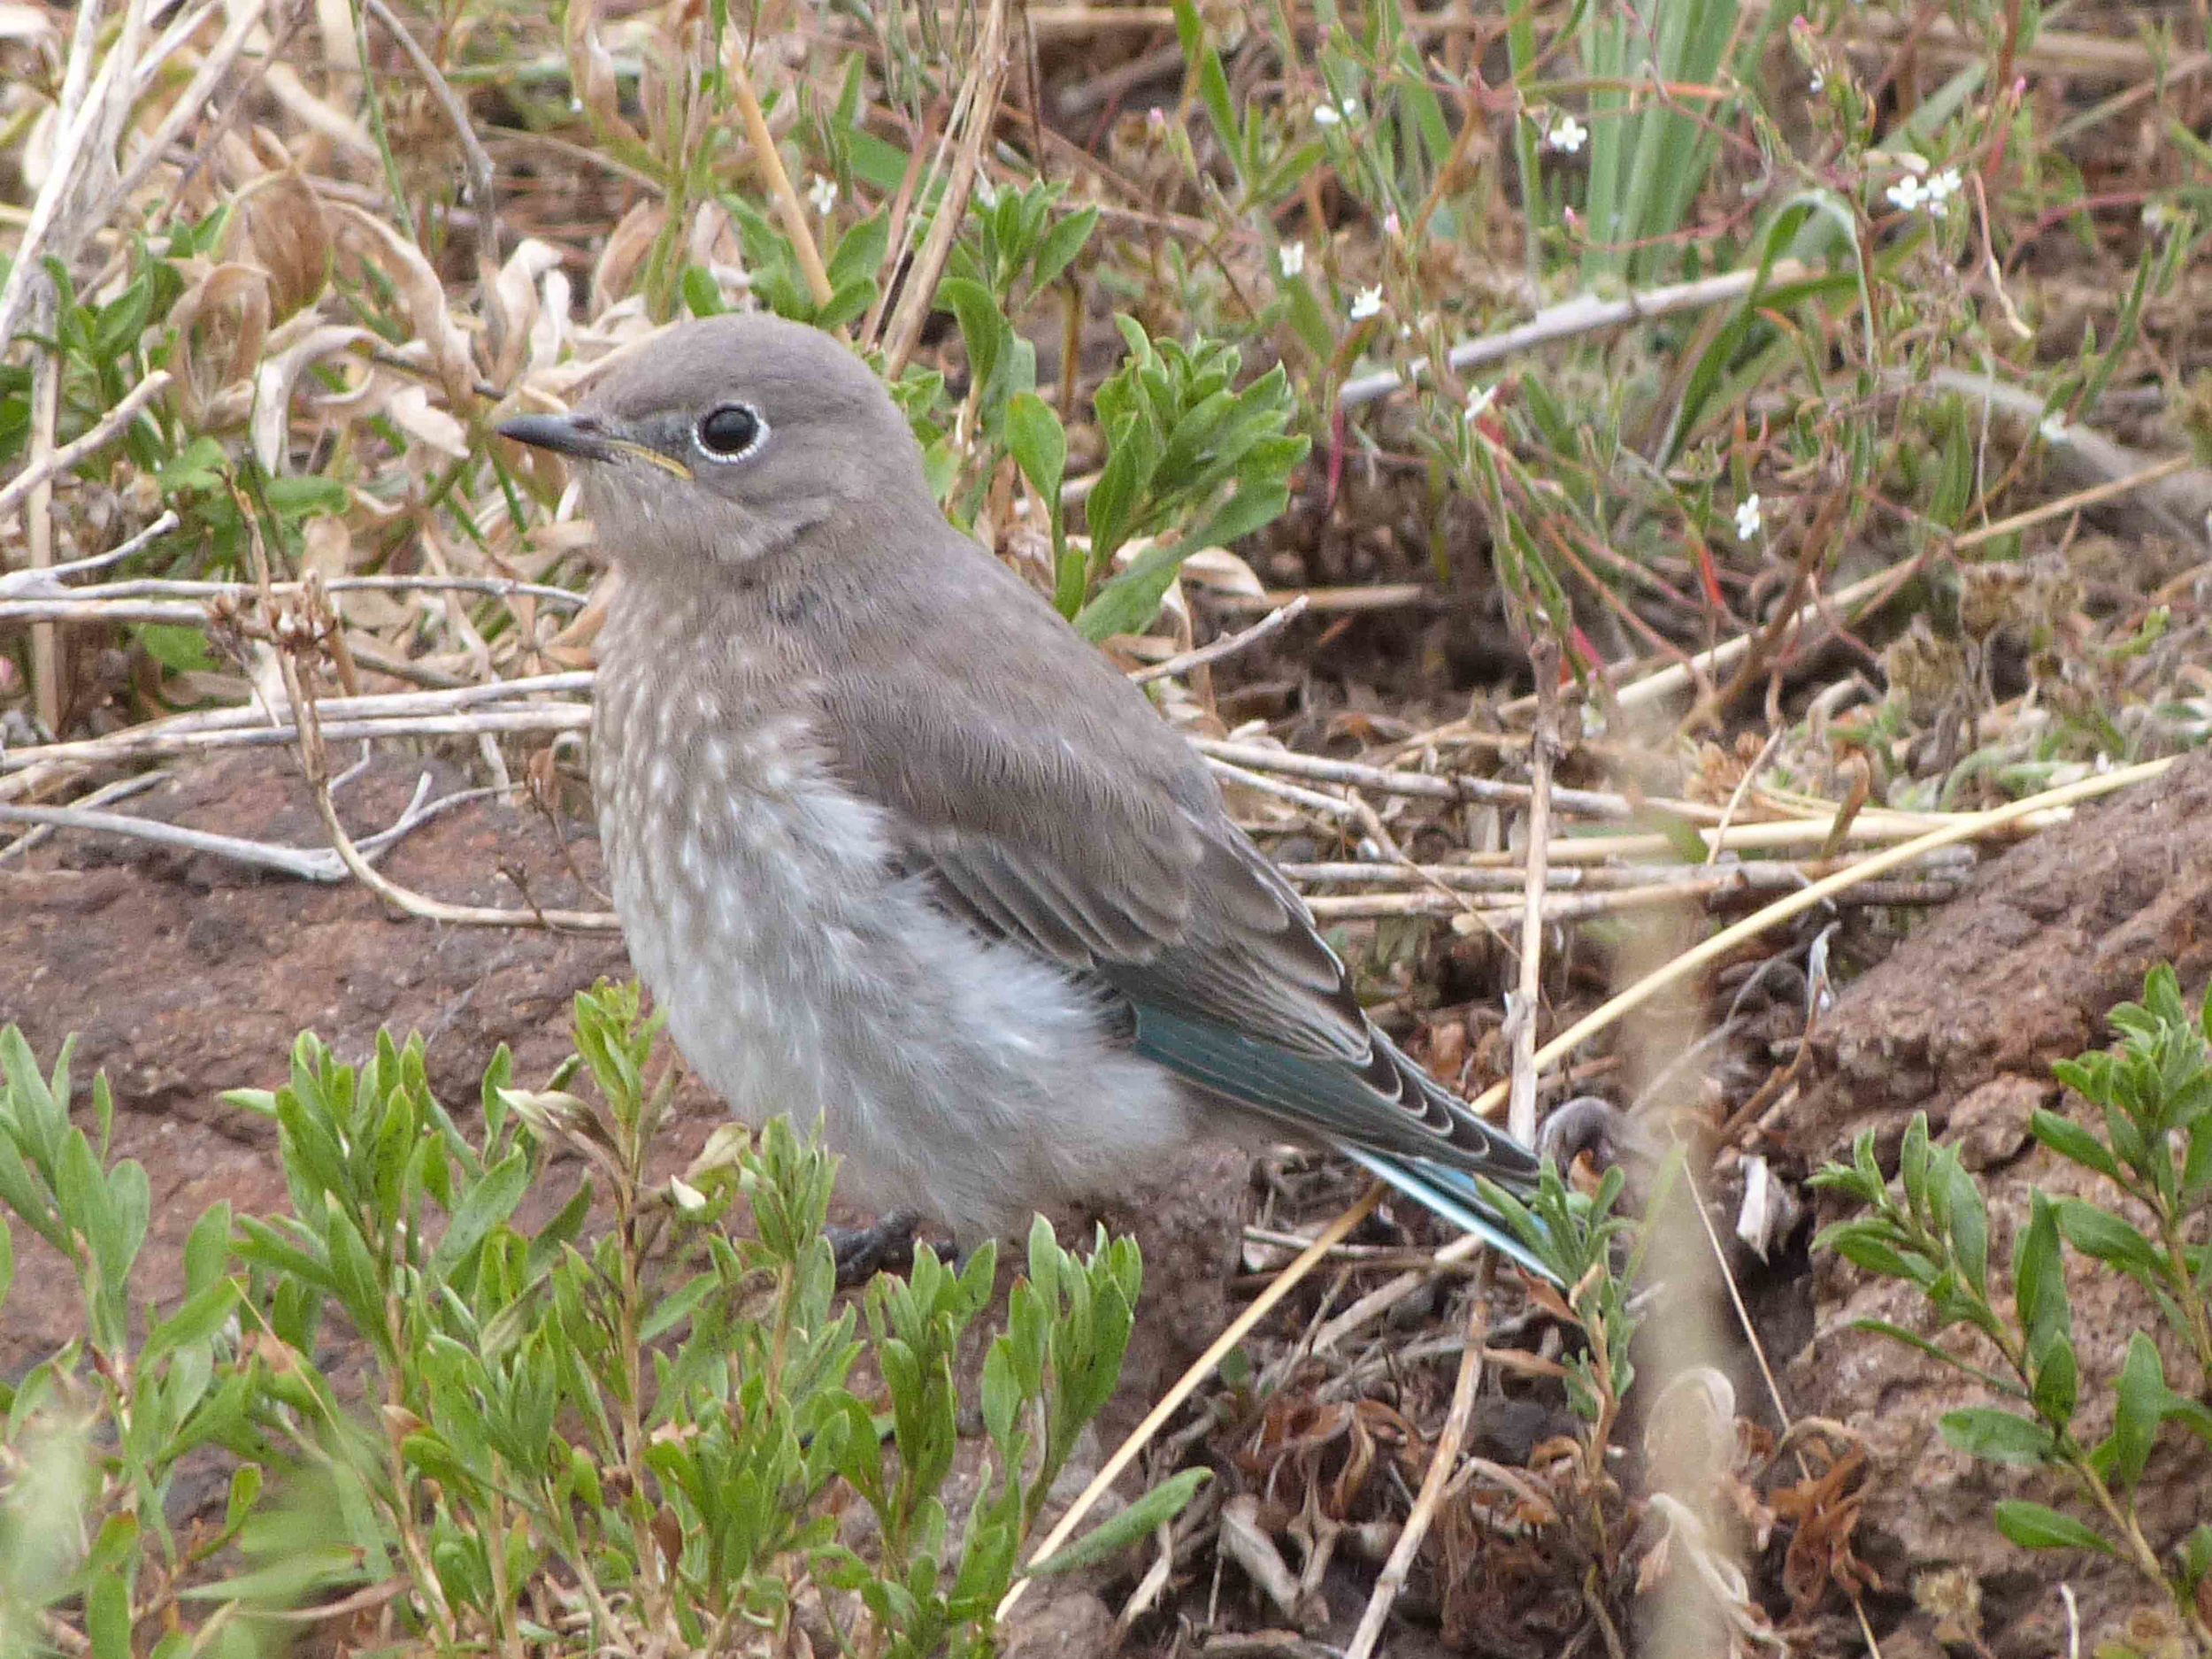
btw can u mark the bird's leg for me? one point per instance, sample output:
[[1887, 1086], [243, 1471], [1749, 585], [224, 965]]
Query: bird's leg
[[864, 1252]]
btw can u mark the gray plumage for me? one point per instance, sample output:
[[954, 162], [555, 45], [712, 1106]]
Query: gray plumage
[[897, 850]]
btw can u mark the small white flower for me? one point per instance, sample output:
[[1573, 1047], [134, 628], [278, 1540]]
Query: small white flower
[[1349, 109], [688, 1198], [1819, 84], [1908, 193], [1479, 402], [1941, 189], [1326, 115], [1749, 520], [1567, 135], [1391, 228], [2157, 216], [1292, 257], [2052, 428], [1367, 304], [822, 194]]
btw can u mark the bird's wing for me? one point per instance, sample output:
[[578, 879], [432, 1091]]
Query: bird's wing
[[1065, 817]]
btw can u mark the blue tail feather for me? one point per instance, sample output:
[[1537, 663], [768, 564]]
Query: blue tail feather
[[1328, 1098], [1452, 1194]]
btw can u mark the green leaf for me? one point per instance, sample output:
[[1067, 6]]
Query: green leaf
[[180, 649], [1128, 603], [298, 495], [1002, 1393], [846, 303], [1203, 65], [2000, 1437], [108, 1616], [2099, 1234], [1866, 1244], [1163, 1503], [702, 296], [208, 1247], [201, 1315], [2057, 1384], [1061, 245], [983, 328], [2069, 1140], [2140, 1395], [1967, 1218], [2196, 1557], [1038, 444], [2039, 1526], [1683, 837], [860, 251], [485, 1205], [2039, 1282], [1912, 1158], [1913, 1339]]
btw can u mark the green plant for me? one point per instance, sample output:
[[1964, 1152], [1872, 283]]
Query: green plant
[[1597, 1255], [2153, 1094], [564, 1438]]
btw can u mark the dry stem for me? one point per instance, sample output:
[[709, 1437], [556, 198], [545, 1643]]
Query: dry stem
[[1521, 1115]]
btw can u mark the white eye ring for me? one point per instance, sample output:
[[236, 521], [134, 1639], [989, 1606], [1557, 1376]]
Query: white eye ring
[[730, 431]]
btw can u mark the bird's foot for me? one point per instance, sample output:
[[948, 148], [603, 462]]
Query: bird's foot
[[864, 1252]]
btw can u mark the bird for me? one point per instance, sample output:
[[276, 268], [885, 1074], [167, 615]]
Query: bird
[[899, 853]]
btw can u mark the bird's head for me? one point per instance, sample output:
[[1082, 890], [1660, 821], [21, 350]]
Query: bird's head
[[721, 441]]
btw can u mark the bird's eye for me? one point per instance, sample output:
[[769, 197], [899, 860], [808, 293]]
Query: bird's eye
[[731, 431]]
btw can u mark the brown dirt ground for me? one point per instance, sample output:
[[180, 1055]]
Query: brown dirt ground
[[1963, 1021], [184, 975]]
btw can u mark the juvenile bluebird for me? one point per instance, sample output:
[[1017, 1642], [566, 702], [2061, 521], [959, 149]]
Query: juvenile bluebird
[[898, 851]]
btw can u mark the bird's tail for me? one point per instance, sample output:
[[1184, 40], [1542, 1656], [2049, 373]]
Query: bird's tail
[[1455, 1195]]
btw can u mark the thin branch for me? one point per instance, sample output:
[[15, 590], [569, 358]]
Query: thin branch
[[18, 490], [2074, 502], [483, 188], [1521, 1115], [769, 160], [1228, 645], [314, 760], [1185, 1386], [1424, 785], [1964, 828], [1442, 1460], [1766, 875], [311, 864], [121, 789], [1585, 313], [192, 104], [78, 114], [979, 98], [35, 594], [49, 579]]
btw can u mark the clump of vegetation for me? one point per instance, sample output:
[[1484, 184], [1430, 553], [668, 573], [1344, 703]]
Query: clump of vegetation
[[2152, 1097], [444, 1426]]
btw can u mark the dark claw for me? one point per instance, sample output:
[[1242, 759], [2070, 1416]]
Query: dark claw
[[864, 1252]]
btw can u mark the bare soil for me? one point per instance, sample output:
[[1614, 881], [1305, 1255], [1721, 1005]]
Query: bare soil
[[182, 975]]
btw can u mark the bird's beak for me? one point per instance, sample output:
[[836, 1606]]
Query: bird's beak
[[585, 438]]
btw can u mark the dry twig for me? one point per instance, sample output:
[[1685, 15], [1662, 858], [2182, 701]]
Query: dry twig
[[1442, 1460]]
